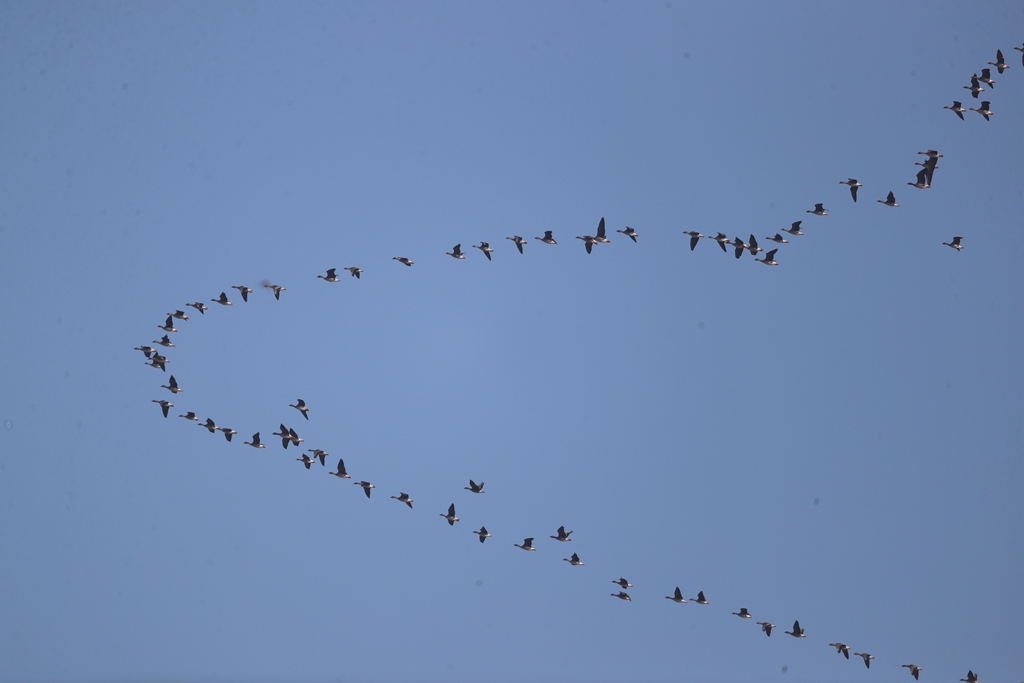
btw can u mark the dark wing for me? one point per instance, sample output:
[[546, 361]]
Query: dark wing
[[679, 594], [341, 466], [891, 199], [770, 256], [519, 246], [600, 228], [366, 490], [693, 242], [853, 191], [451, 510], [330, 273], [561, 531]]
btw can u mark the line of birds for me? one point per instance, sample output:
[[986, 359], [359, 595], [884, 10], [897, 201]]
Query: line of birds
[[289, 436]]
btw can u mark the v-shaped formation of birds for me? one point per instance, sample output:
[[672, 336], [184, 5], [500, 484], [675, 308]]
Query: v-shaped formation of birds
[[289, 437]]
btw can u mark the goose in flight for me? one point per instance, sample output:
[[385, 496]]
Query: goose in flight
[[366, 486], [841, 648], [677, 597], [743, 613], [277, 290], [721, 238], [456, 252], [164, 341], [547, 238], [974, 87], [300, 406], [752, 247], [223, 300], [305, 460], [482, 534], [778, 238], [971, 676], [403, 497], [983, 110], [341, 473], [922, 180], [588, 241], [889, 201], [932, 154], [322, 455], [955, 243], [986, 78], [957, 109], [228, 433], [404, 261], [527, 544], [563, 535], [694, 238], [519, 242], [740, 246], [852, 182], [244, 291], [600, 236], [769, 258], [190, 416], [172, 386], [866, 657], [797, 632], [485, 248], [700, 599], [474, 487], [629, 232], [574, 560], [147, 350], [354, 271], [255, 443], [209, 424], [168, 326], [288, 436], [794, 229], [158, 361], [450, 516], [915, 670], [330, 277], [180, 315], [623, 583], [766, 627], [164, 405], [819, 210], [999, 64], [622, 595], [199, 306]]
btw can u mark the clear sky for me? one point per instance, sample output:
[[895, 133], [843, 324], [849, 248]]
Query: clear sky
[[835, 440]]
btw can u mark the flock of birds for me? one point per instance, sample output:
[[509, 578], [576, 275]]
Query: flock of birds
[[289, 436]]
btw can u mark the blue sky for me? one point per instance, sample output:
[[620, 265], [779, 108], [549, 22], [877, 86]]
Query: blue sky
[[835, 440]]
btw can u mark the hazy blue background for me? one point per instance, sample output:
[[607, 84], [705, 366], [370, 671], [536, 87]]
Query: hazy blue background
[[836, 440]]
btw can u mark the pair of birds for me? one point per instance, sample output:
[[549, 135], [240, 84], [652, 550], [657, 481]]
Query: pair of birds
[[854, 184], [562, 535], [332, 277], [244, 291], [958, 109]]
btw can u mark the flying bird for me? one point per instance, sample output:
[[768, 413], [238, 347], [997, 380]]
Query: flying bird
[[622, 582], [915, 670], [209, 424], [971, 676], [700, 599], [721, 238], [482, 533], [743, 613], [629, 232], [957, 109], [456, 252], [164, 341], [168, 326], [190, 416], [955, 243], [243, 290], [819, 210], [866, 657], [677, 597], [922, 181], [404, 498], [842, 648], [228, 433], [574, 560], [974, 87], [600, 236], [563, 535], [404, 261], [527, 544], [485, 248], [450, 516], [547, 238], [794, 229], [330, 277], [999, 64], [778, 238], [766, 627], [852, 182], [300, 406], [769, 258], [983, 110], [889, 201], [519, 242], [621, 596], [172, 386], [255, 443], [474, 487], [694, 238], [164, 405], [180, 315], [797, 632], [588, 241], [306, 460], [199, 306], [341, 473], [366, 487], [223, 300], [354, 271], [986, 78], [277, 290]]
